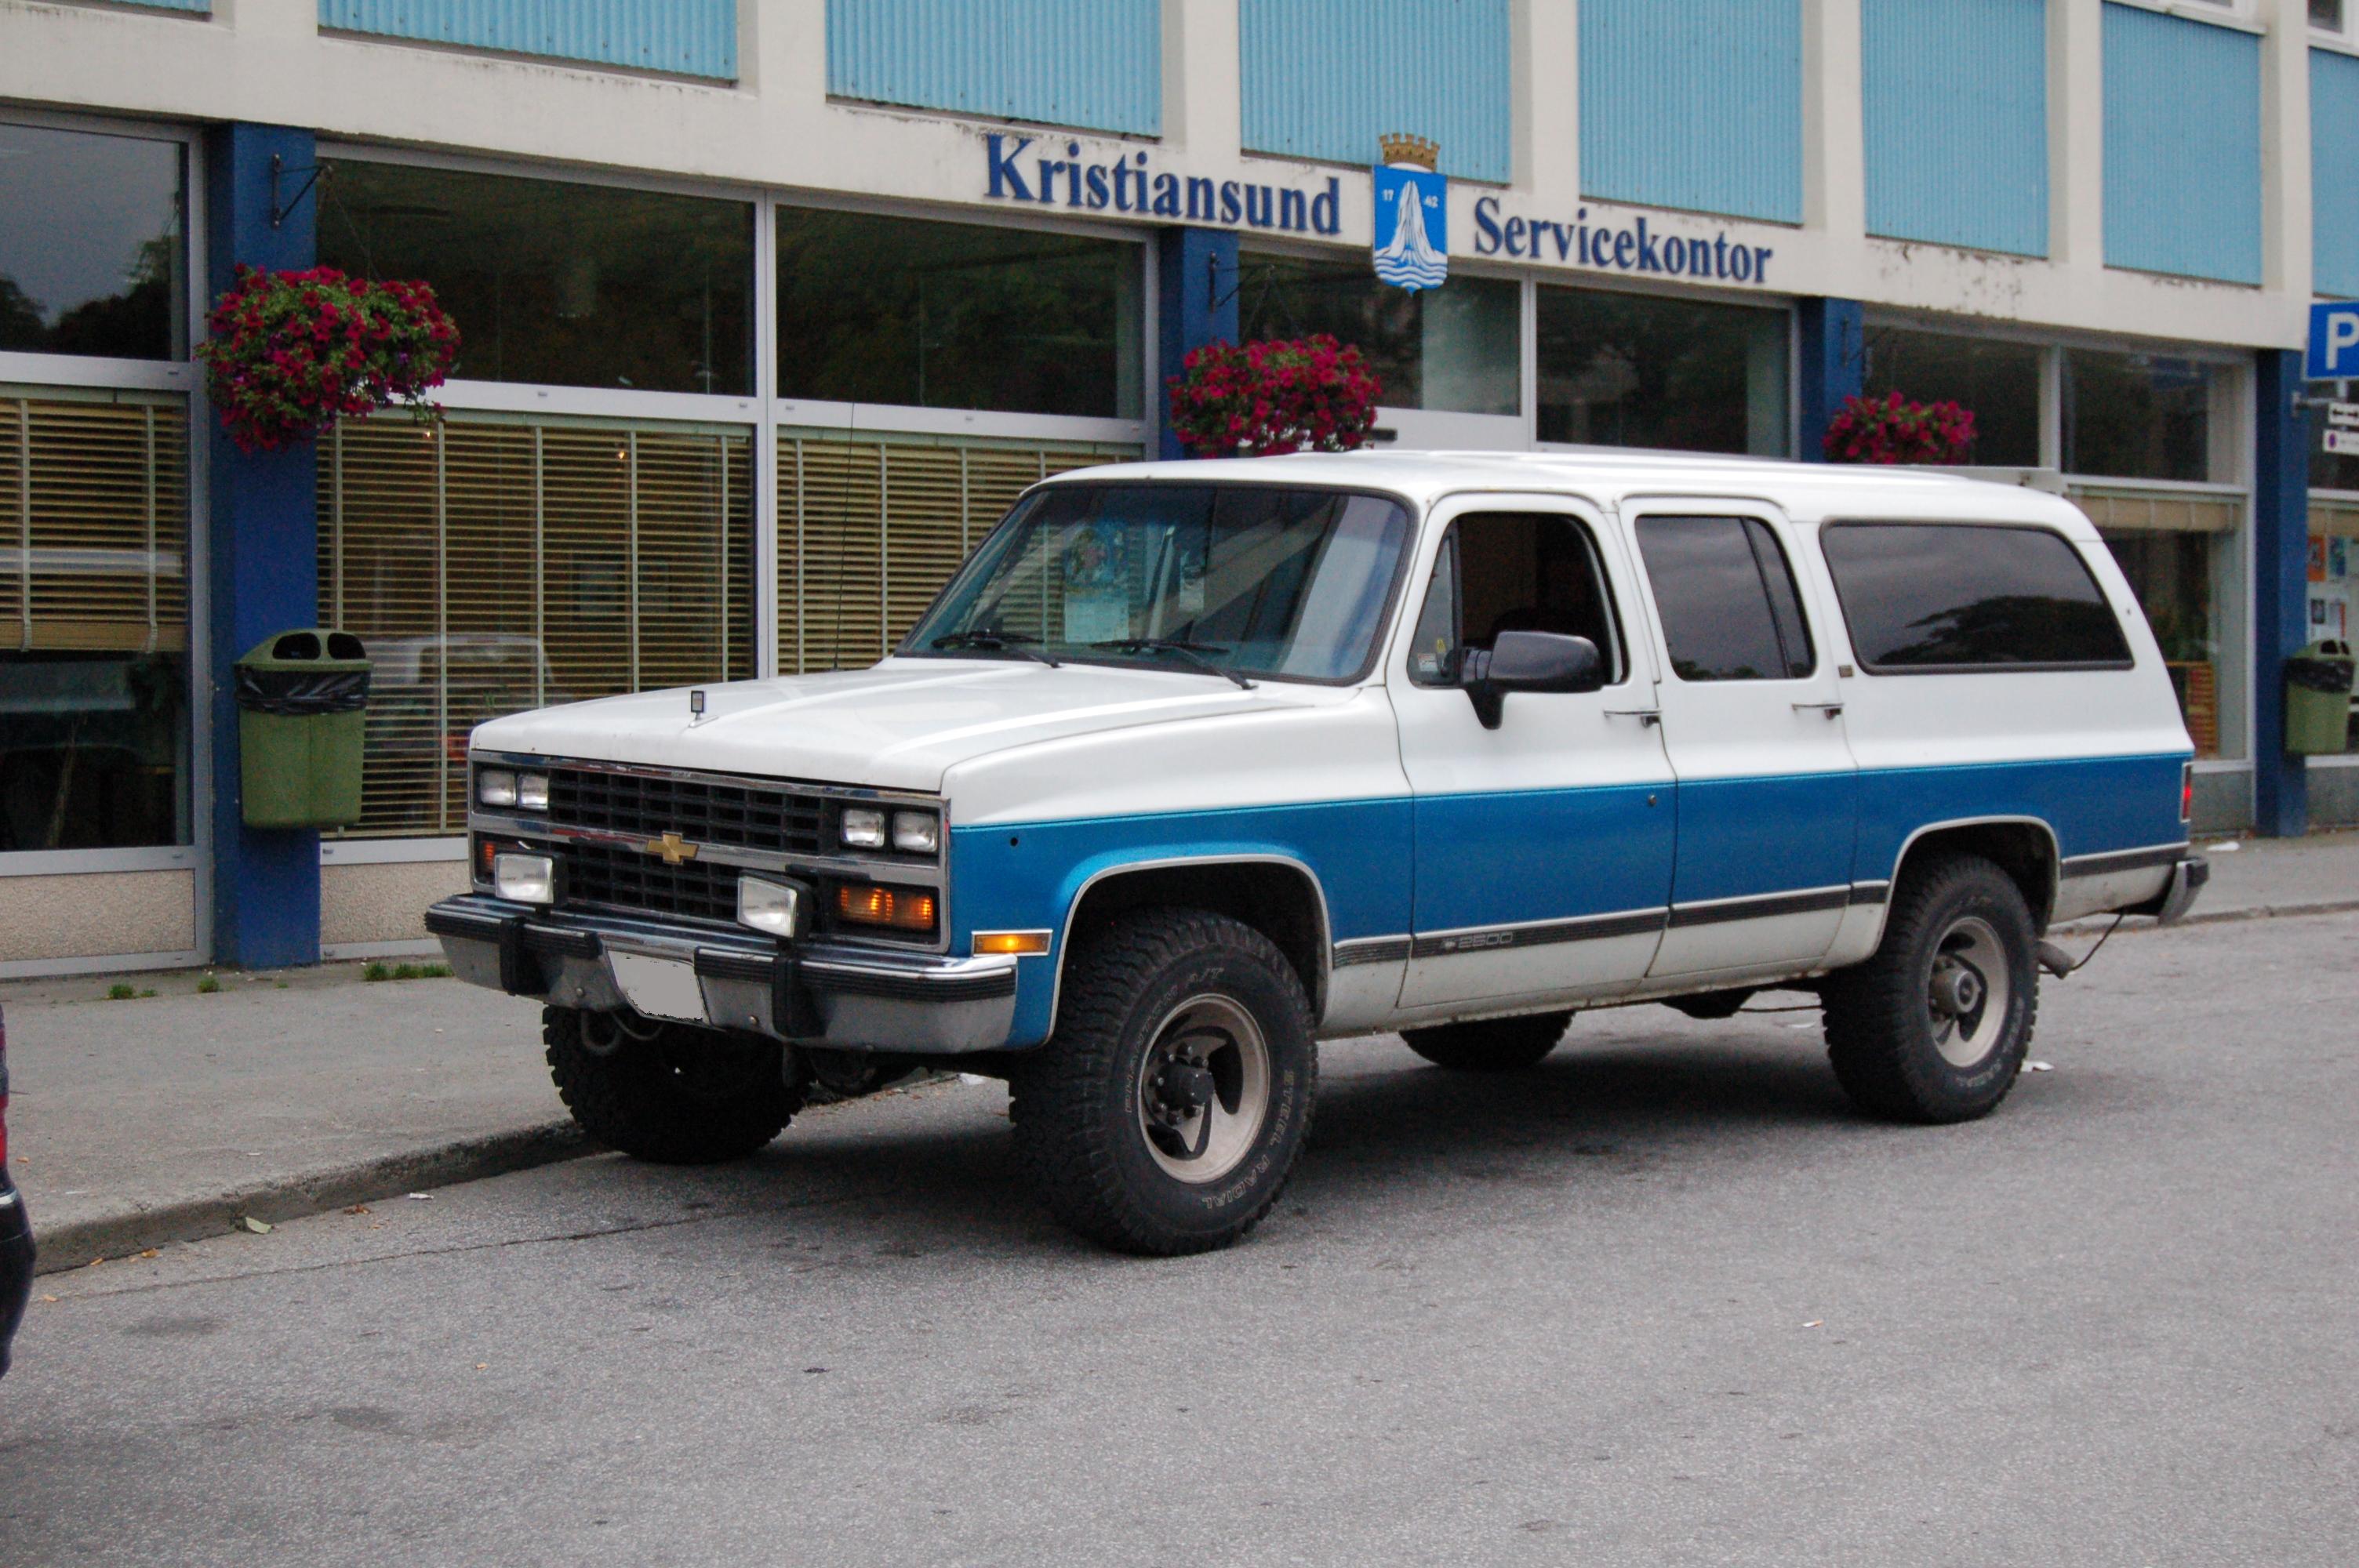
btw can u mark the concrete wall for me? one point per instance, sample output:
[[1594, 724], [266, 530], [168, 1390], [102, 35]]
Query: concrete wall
[[366, 904], [2333, 797], [92, 914]]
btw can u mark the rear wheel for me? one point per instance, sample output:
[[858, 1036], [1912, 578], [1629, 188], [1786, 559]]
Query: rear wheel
[[1166, 1113], [1935, 1026], [1490, 1044], [668, 1092]]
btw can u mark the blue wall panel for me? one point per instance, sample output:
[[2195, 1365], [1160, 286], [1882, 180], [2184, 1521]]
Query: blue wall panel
[[2182, 147], [1324, 78], [1696, 105], [1097, 64], [1954, 105], [687, 38], [199, 5], [2334, 172]]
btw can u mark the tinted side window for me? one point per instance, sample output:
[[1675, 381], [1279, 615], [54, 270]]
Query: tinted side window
[[1512, 571], [1726, 592], [1932, 596]]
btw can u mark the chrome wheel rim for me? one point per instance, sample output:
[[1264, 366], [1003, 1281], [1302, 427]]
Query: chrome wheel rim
[[1969, 992], [1203, 1089]]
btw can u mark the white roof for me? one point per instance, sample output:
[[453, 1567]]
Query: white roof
[[1803, 491]]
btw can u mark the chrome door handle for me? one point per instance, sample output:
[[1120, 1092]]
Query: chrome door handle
[[1832, 710], [1645, 716]]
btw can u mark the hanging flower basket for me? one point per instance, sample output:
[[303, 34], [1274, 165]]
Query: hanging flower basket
[[291, 353], [1280, 395], [1892, 429]]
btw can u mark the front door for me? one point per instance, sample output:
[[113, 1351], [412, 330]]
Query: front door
[[1543, 848], [1752, 717]]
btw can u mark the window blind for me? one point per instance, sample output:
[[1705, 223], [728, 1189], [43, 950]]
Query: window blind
[[93, 522], [494, 564], [2163, 511], [870, 529]]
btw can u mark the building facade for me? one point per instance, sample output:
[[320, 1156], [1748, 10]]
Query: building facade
[[770, 307]]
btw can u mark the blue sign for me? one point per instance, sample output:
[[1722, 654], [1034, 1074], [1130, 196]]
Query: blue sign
[[1412, 228], [2333, 342]]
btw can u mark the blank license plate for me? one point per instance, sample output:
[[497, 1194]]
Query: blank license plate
[[660, 988]]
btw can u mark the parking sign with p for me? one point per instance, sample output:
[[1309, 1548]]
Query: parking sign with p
[[2333, 341]]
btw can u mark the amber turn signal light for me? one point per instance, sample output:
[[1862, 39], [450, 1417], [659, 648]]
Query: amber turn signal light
[[1020, 944], [903, 909]]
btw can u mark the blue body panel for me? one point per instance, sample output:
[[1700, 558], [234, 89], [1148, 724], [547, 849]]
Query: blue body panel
[[1026, 876], [1745, 836], [1509, 858], [1549, 854], [2093, 804]]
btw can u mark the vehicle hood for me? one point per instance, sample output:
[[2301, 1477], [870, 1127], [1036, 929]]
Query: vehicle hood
[[900, 725]]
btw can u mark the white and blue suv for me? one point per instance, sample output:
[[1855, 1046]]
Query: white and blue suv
[[1194, 764]]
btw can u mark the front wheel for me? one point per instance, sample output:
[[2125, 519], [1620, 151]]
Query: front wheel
[[1934, 1027], [1166, 1113], [668, 1092]]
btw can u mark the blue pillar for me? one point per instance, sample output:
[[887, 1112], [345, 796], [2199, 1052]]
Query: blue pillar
[[1835, 366], [1196, 303], [2280, 587], [263, 575]]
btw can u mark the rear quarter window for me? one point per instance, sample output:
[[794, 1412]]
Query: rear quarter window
[[1922, 597]]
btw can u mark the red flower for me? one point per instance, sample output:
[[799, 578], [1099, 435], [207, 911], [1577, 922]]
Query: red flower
[[1276, 395], [290, 353]]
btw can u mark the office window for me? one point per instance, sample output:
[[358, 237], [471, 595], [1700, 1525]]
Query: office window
[[92, 247], [1452, 348], [503, 563], [93, 620], [1998, 382], [555, 282], [2136, 415], [901, 310], [1637, 370]]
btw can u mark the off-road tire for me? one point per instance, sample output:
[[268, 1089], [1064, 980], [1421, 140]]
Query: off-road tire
[[1074, 1101], [1879, 1035], [1490, 1044], [729, 1100]]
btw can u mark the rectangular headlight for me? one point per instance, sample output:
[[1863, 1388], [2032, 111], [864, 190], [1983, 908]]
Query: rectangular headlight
[[917, 832], [532, 792], [495, 787], [779, 908], [526, 879], [863, 827]]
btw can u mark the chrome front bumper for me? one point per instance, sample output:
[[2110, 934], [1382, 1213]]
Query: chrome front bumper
[[837, 996]]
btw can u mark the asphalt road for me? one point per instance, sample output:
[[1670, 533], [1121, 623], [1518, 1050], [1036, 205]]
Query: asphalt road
[[1665, 1300]]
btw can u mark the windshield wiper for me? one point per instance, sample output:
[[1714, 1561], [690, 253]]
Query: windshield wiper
[[998, 641], [1193, 652]]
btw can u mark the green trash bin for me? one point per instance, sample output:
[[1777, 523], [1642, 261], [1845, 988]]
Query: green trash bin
[[2317, 700], [302, 701]]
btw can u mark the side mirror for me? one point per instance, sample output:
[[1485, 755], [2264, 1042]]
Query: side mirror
[[1528, 661]]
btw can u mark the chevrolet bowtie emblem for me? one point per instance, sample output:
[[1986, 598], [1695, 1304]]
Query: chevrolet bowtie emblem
[[672, 847]]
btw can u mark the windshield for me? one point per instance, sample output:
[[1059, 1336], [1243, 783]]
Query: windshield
[[1251, 580]]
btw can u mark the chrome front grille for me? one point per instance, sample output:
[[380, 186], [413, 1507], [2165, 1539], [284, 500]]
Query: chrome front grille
[[702, 811], [629, 878]]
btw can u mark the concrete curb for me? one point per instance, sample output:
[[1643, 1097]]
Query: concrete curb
[[2215, 916], [80, 1242]]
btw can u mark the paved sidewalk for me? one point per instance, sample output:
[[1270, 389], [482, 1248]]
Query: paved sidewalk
[[138, 1123]]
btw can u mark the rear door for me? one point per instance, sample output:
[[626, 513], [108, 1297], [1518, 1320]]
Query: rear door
[[1543, 848], [1751, 720]]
